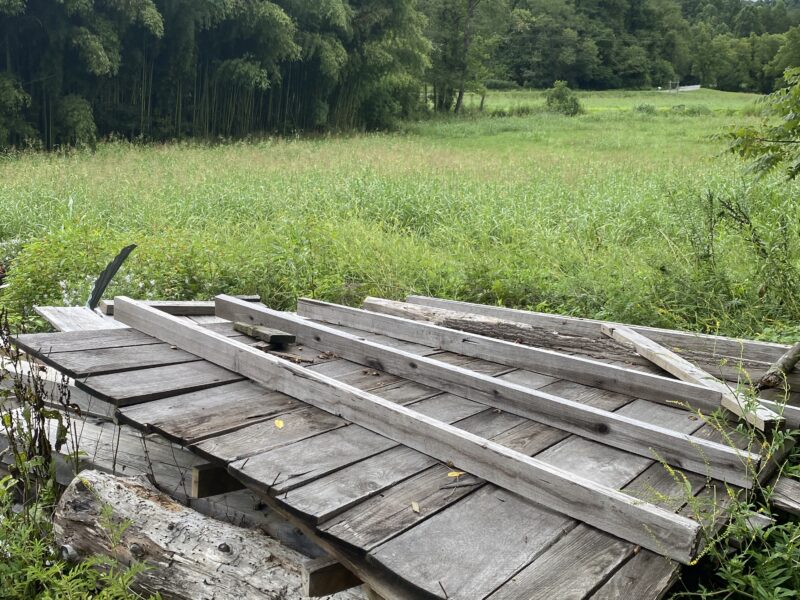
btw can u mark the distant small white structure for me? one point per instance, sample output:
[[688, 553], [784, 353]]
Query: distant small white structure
[[675, 86]]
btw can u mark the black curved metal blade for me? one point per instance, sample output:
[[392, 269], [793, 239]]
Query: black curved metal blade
[[107, 275]]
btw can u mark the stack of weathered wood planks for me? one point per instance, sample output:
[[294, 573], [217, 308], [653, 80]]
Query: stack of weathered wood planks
[[428, 449]]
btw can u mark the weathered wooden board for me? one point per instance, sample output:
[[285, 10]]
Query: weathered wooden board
[[43, 344], [760, 417], [323, 498], [290, 466], [786, 495], [190, 418], [652, 482], [75, 318], [182, 308], [284, 429], [133, 387], [582, 370], [454, 534], [678, 341], [600, 506], [728, 359], [646, 575], [103, 361], [679, 450], [549, 576]]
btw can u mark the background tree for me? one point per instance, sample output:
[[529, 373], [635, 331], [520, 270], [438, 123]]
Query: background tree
[[775, 144]]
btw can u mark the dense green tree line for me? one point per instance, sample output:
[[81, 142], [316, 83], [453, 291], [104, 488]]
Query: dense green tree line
[[738, 45], [72, 70], [172, 68]]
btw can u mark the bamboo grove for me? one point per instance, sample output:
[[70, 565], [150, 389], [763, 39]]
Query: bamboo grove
[[73, 71]]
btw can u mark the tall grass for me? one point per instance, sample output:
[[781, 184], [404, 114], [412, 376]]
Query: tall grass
[[601, 215]]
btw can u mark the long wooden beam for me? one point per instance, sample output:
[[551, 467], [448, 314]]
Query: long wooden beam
[[758, 416], [592, 329], [678, 449], [407, 322], [607, 509]]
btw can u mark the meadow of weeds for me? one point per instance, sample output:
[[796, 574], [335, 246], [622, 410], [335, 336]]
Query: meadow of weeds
[[629, 211], [624, 212]]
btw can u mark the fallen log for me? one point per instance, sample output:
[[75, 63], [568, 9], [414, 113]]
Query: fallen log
[[188, 555]]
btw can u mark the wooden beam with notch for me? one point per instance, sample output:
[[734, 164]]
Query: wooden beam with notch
[[607, 509], [684, 451]]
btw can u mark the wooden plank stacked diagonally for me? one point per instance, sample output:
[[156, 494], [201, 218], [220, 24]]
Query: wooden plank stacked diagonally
[[600, 506], [359, 492]]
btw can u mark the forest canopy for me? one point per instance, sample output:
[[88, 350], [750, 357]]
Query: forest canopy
[[72, 71]]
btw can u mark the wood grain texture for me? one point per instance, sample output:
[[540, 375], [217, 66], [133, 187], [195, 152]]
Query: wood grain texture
[[647, 576], [547, 577], [193, 417], [423, 330], [679, 450], [451, 537], [599, 506], [590, 328], [43, 344], [75, 318], [323, 498], [83, 363], [786, 495], [188, 555], [187, 308], [759, 416], [143, 385]]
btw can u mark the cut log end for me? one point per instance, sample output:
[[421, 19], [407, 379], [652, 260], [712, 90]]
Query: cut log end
[[188, 555]]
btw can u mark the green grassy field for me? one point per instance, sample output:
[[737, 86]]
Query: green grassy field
[[622, 100], [614, 214]]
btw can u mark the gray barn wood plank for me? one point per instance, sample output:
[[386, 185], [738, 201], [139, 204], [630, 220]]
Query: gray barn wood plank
[[602, 463], [251, 440], [550, 575], [133, 387], [760, 417], [79, 341], [183, 308], [385, 515], [471, 548], [190, 418], [76, 341], [290, 466], [763, 351], [114, 360], [600, 506], [786, 495], [333, 493], [647, 576], [247, 440], [628, 434], [725, 358], [323, 498], [376, 519], [578, 392], [581, 456], [75, 318], [591, 372]]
